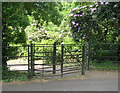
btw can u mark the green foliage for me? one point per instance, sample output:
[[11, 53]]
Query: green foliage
[[8, 76], [43, 28], [18, 15], [95, 22], [106, 65], [105, 52]]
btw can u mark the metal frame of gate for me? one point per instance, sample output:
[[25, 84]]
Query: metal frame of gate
[[60, 64], [61, 57]]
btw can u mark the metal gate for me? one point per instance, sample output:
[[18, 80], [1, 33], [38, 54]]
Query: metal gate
[[47, 60], [72, 56]]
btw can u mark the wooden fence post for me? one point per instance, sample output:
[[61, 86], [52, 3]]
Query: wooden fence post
[[62, 60], [54, 58], [83, 59]]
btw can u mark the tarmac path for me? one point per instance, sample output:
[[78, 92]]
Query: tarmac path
[[91, 81]]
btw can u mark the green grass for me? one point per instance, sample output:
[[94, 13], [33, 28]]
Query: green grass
[[105, 66], [9, 76]]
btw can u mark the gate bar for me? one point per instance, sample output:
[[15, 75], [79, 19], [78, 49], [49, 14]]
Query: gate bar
[[62, 60], [29, 71], [54, 58], [32, 60], [88, 57], [83, 60]]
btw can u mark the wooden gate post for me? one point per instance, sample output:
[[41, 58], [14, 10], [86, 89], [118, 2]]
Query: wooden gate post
[[62, 60], [83, 59], [54, 58]]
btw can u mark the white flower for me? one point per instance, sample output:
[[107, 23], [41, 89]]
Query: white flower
[[106, 3], [114, 18], [71, 14], [62, 43], [83, 13], [84, 6], [115, 5], [60, 35], [96, 3], [102, 2], [73, 22], [77, 24], [93, 9], [77, 15], [31, 36], [91, 13], [80, 15], [91, 5], [74, 9]]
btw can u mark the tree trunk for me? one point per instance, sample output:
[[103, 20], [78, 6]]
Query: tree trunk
[[4, 44], [118, 53], [4, 62], [4, 54]]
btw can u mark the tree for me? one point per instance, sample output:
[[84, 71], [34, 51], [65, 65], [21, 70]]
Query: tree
[[13, 23], [15, 20], [98, 21], [50, 30]]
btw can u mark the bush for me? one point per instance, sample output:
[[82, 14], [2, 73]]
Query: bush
[[105, 52]]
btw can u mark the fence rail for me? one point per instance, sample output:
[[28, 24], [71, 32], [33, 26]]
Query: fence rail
[[104, 56]]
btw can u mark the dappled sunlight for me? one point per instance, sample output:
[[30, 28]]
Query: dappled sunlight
[[22, 61]]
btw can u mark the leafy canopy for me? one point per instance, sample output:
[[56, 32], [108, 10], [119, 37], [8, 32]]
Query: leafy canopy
[[97, 22]]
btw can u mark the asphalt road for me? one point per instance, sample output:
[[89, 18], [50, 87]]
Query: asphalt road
[[94, 81]]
